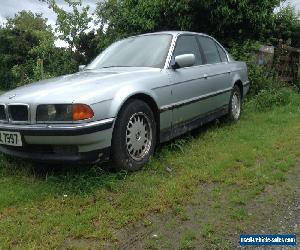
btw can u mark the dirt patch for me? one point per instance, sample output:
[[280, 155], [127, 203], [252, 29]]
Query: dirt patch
[[215, 217], [88, 244], [277, 211]]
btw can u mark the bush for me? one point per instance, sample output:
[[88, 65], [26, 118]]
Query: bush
[[266, 92], [268, 99], [260, 77]]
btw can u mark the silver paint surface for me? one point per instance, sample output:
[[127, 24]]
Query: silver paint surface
[[106, 90]]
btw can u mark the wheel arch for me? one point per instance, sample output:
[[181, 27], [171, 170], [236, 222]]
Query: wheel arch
[[239, 83], [150, 101], [237, 80]]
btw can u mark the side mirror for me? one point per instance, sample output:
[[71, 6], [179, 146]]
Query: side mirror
[[183, 61], [81, 67]]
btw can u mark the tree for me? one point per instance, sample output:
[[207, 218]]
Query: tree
[[15, 64], [287, 26], [71, 25], [27, 51], [36, 26], [87, 46], [28, 21], [121, 18], [225, 19]]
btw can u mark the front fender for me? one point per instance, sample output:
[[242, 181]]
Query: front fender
[[124, 94]]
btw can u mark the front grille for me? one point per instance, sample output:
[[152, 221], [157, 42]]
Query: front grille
[[18, 113], [2, 113]]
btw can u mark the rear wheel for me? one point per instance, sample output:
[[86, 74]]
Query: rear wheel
[[235, 104], [134, 136]]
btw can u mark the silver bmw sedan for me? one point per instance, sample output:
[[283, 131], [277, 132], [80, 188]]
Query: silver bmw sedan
[[139, 92]]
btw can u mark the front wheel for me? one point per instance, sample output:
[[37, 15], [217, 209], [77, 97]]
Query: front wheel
[[235, 104], [134, 136]]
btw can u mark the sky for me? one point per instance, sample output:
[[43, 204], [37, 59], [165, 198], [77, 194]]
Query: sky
[[295, 3], [8, 8]]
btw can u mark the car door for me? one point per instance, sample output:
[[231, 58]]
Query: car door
[[190, 86], [218, 72]]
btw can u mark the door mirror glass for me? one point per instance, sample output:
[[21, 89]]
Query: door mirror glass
[[81, 67], [183, 61]]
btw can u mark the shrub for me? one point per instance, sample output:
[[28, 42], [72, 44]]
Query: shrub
[[260, 77], [268, 99]]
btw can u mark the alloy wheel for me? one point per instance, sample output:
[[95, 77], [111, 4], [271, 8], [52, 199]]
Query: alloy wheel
[[138, 136]]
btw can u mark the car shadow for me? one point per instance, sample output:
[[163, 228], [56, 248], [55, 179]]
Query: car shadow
[[86, 179], [178, 143]]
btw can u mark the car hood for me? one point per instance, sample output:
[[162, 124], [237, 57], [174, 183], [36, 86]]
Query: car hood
[[81, 85]]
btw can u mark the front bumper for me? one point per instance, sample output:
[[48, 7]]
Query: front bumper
[[53, 157], [58, 129], [75, 143]]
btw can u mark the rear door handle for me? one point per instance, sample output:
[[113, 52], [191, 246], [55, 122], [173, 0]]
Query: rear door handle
[[205, 76]]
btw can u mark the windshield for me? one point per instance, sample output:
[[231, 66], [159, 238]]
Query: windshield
[[140, 51]]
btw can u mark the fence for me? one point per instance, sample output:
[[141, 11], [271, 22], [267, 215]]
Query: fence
[[283, 60], [286, 63]]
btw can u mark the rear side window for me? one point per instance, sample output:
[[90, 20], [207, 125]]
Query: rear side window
[[222, 53], [188, 45], [210, 49]]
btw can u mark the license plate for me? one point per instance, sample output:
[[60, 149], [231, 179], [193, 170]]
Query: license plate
[[10, 138]]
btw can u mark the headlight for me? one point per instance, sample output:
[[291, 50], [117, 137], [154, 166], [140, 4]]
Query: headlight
[[63, 112]]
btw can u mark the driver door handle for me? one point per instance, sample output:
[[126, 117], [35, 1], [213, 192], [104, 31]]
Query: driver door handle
[[205, 76]]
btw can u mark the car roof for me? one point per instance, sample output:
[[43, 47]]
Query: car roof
[[173, 32]]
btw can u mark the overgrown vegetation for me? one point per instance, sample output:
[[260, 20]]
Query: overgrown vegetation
[[28, 53], [40, 207], [227, 20], [268, 99]]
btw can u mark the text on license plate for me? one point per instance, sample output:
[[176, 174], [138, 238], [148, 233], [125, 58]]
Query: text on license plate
[[10, 138]]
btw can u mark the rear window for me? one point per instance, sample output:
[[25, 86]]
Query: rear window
[[222, 53], [210, 50]]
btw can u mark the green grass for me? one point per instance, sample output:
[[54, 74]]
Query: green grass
[[41, 207], [187, 241], [207, 230]]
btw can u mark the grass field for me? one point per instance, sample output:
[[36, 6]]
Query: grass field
[[41, 206]]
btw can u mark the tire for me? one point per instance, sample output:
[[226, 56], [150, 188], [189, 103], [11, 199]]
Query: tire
[[134, 136], [235, 104]]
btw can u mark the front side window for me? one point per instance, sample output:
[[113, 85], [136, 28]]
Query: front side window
[[188, 45], [210, 49], [139, 51]]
